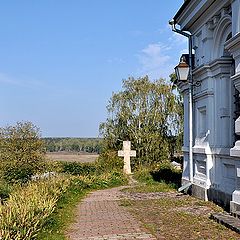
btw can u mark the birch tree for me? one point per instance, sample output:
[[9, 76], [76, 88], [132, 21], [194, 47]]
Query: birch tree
[[147, 114]]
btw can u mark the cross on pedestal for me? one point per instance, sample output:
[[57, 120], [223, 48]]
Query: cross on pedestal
[[127, 153]]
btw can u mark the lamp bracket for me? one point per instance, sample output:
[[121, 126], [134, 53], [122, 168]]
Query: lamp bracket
[[196, 84]]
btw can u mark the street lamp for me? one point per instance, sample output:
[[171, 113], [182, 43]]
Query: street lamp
[[182, 70], [184, 73]]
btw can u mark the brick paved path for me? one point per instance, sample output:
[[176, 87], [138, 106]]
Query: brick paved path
[[101, 217]]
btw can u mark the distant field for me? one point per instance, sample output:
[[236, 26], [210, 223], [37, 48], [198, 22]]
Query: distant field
[[72, 157]]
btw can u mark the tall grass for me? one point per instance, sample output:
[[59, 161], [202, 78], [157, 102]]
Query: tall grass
[[57, 223], [22, 216], [29, 207], [27, 211]]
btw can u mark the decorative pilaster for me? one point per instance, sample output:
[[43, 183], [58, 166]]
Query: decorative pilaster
[[233, 46], [235, 203], [209, 165], [235, 151]]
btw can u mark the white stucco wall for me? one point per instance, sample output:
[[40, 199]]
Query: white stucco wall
[[215, 26]]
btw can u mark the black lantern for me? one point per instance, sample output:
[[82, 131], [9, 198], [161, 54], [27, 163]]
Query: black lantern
[[182, 70]]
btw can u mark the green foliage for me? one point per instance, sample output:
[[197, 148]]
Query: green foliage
[[177, 141], [21, 152], [147, 114], [100, 181], [163, 172], [76, 168], [108, 164], [90, 145], [147, 183], [5, 190], [143, 175], [108, 160], [26, 207], [168, 174], [41, 205]]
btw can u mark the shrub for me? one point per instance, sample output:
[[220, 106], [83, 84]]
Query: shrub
[[21, 151], [76, 168], [99, 181], [143, 174], [163, 172], [167, 173], [108, 161]]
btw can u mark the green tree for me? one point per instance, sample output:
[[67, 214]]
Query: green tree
[[147, 114], [177, 141], [21, 151]]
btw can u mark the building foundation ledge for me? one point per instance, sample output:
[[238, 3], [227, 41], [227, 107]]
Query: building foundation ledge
[[235, 203], [235, 151], [234, 207]]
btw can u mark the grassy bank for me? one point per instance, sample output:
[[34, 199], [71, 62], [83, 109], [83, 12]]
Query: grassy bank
[[57, 223], [162, 179], [42, 209], [173, 215], [28, 206]]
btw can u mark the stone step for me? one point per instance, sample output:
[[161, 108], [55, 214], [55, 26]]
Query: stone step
[[184, 187], [227, 220], [236, 214]]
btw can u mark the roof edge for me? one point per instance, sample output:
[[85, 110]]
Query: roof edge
[[182, 8]]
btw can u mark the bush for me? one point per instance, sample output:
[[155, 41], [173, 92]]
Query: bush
[[167, 173], [99, 181], [108, 160], [143, 175], [76, 168], [21, 152], [163, 172]]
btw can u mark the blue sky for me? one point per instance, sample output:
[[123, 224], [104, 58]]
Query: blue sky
[[60, 60]]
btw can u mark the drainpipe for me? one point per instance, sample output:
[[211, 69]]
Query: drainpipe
[[189, 36]]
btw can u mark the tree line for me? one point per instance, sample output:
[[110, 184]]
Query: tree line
[[89, 145]]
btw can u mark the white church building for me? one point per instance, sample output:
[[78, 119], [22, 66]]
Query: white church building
[[215, 29]]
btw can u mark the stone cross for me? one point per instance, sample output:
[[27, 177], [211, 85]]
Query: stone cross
[[127, 153]]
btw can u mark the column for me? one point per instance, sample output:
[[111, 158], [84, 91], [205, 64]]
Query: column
[[225, 112], [235, 17], [233, 46]]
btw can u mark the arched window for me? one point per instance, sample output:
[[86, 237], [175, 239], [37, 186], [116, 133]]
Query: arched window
[[225, 51], [222, 33]]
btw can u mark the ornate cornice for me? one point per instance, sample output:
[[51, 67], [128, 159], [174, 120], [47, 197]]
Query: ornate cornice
[[214, 68], [213, 22]]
